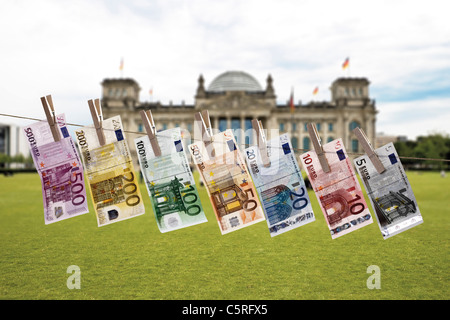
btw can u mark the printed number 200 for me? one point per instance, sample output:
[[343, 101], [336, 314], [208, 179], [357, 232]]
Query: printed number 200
[[133, 199]]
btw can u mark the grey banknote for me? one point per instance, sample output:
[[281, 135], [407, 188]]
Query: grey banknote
[[390, 192]]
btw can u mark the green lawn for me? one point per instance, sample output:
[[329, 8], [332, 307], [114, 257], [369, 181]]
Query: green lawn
[[133, 260]]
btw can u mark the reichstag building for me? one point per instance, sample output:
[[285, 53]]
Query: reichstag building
[[234, 98]]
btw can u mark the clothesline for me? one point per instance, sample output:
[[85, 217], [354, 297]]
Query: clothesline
[[241, 144]]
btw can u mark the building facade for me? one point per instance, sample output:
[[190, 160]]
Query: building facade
[[234, 98], [13, 143]]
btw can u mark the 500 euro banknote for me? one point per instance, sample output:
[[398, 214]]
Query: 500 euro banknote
[[338, 191], [170, 183], [60, 169], [112, 180], [389, 192], [280, 186], [228, 183]]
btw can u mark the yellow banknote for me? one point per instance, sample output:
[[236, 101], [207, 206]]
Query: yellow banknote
[[111, 176]]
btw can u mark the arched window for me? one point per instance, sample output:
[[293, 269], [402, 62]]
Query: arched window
[[353, 125], [294, 142], [330, 139], [354, 145], [305, 144]]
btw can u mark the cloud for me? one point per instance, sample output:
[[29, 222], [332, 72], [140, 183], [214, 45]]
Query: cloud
[[414, 118], [67, 48]]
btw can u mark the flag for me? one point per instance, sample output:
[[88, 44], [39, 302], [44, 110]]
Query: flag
[[316, 90], [345, 64], [121, 64], [291, 101]]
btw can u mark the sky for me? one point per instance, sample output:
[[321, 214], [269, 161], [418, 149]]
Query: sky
[[67, 48]]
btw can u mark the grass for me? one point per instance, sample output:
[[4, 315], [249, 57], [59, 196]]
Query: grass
[[133, 260]]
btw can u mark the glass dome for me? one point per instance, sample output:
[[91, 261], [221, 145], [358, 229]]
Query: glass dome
[[234, 81]]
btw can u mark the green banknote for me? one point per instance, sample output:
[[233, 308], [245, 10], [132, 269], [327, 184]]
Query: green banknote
[[112, 179], [170, 183]]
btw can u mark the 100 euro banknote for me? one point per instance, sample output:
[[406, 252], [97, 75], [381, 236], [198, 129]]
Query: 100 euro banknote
[[280, 186], [338, 191], [112, 180], [60, 169], [170, 183], [389, 192], [228, 183]]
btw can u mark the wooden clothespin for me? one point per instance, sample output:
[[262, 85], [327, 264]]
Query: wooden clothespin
[[365, 143], [202, 118], [51, 116], [315, 139], [150, 127], [261, 142], [96, 112]]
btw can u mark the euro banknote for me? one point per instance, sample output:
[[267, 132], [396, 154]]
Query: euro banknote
[[110, 171], [338, 191], [169, 181], [390, 192], [280, 186], [228, 183], [60, 169]]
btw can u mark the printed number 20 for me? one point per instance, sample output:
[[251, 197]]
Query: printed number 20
[[300, 202]]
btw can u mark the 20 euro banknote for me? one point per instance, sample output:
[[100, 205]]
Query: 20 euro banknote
[[228, 183], [60, 169], [112, 179], [170, 183], [280, 186], [390, 192], [338, 191]]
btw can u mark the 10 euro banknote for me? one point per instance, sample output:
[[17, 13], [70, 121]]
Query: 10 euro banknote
[[60, 169], [280, 186], [228, 183], [170, 183], [111, 176], [389, 192], [338, 191]]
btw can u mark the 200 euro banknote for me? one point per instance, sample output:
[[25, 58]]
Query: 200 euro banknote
[[112, 179], [280, 186], [338, 191], [170, 183], [60, 169], [228, 183], [390, 192]]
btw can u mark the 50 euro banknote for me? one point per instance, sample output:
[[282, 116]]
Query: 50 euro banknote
[[338, 191], [390, 192], [60, 169], [280, 186], [228, 183], [169, 181], [111, 176]]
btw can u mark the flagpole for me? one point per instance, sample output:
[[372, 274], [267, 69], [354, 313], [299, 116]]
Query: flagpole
[[292, 110]]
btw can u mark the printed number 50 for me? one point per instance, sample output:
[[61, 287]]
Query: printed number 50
[[247, 202]]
